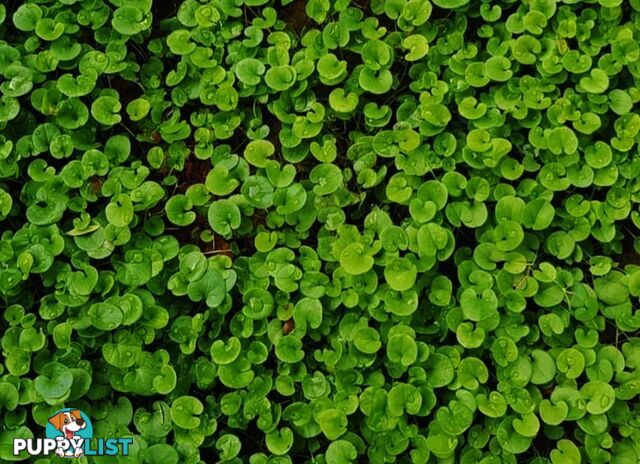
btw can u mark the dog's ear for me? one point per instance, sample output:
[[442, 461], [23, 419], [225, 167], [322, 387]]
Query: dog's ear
[[76, 414], [57, 420]]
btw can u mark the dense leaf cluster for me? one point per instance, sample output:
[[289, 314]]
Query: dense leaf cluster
[[276, 231]]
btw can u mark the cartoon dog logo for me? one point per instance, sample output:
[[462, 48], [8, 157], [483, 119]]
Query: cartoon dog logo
[[68, 423]]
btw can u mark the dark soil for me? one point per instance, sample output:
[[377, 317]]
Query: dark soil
[[295, 16], [164, 9], [195, 172], [629, 254]]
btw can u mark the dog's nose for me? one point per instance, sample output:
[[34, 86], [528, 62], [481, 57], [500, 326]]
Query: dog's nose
[[80, 421]]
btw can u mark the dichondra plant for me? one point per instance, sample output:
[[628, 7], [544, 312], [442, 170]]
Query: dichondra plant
[[324, 231]]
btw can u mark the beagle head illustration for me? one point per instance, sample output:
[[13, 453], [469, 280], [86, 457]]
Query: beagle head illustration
[[68, 422]]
